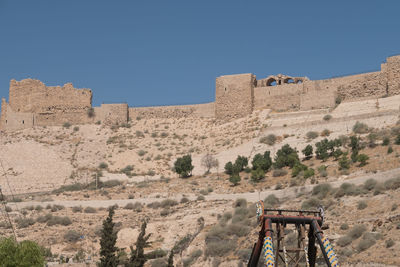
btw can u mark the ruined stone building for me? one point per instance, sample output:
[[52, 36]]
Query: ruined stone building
[[32, 103]]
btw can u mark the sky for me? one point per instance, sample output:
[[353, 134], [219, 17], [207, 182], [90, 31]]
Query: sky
[[148, 53]]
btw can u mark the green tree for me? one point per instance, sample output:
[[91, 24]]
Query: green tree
[[235, 179], [321, 151], [108, 250], [397, 140], [171, 259], [286, 156], [354, 143], [241, 162], [229, 168], [337, 153], [257, 175], [344, 162], [263, 162], [362, 158], [298, 168], [183, 166], [24, 254], [308, 151], [138, 258]]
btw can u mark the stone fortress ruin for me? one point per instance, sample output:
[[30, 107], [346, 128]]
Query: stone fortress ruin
[[32, 103]]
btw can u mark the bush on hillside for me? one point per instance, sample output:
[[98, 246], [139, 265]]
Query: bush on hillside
[[183, 166]]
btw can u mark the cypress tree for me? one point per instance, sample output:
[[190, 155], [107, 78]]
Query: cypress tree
[[138, 258], [108, 250], [171, 259]]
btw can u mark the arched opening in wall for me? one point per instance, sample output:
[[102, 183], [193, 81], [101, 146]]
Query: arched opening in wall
[[288, 80], [6, 121], [299, 81], [23, 122], [271, 82]]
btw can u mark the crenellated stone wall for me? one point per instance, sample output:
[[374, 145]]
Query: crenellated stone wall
[[32, 103], [238, 95]]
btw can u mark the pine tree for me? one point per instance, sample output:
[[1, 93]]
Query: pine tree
[[138, 258], [108, 239]]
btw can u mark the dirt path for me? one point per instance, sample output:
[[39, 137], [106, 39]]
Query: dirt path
[[290, 192]]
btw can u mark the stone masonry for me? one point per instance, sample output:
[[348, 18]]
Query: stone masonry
[[32, 103]]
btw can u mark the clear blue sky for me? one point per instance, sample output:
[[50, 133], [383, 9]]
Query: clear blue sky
[[170, 52]]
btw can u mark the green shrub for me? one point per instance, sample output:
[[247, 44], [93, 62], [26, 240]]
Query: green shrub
[[365, 244], [298, 168], [325, 132], [24, 222], [308, 151], [200, 198], [344, 162], [311, 135], [134, 206], [76, 128], [57, 220], [397, 140], [77, 209], [309, 173], [66, 125], [103, 165], [166, 203], [240, 203], [269, 139], [344, 241], [240, 163], [263, 162], [90, 210], [392, 184], [362, 205], [370, 184], [235, 179], [327, 117], [271, 201], [389, 243], [311, 203], [321, 190], [344, 226], [356, 231], [385, 141], [184, 200], [322, 147], [362, 158], [279, 172], [257, 175], [72, 236], [229, 168], [286, 156], [183, 166], [360, 128], [390, 150], [219, 248], [20, 254]]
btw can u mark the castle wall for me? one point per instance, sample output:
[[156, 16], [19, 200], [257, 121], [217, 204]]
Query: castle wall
[[392, 74], [206, 110], [33, 96], [352, 87], [111, 113], [279, 97], [12, 121], [234, 96], [318, 99]]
